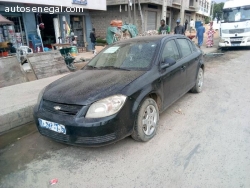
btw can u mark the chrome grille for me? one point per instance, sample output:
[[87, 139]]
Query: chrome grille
[[233, 31], [76, 139], [95, 140], [60, 108]]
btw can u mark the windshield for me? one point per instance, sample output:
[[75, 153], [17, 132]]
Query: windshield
[[236, 14], [127, 56]]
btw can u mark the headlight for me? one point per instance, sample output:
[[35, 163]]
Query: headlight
[[106, 107], [40, 96], [222, 40]]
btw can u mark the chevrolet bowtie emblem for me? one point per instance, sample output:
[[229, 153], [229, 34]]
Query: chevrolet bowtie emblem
[[57, 107]]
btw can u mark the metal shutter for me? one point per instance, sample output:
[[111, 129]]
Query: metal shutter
[[151, 21]]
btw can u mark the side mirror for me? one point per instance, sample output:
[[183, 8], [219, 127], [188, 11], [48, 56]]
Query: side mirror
[[168, 62]]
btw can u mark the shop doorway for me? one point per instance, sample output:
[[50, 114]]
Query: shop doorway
[[77, 27], [48, 32], [151, 20]]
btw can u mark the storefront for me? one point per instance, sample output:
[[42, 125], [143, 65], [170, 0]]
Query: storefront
[[41, 29]]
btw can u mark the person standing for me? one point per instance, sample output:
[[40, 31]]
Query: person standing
[[210, 37], [92, 37], [163, 29], [186, 23], [200, 34], [179, 29], [192, 25]]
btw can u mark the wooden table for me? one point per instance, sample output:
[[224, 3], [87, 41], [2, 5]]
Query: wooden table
[[60, 45]]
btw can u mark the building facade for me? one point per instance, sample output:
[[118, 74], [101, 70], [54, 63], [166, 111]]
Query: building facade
[[61, 18], [146, 14]]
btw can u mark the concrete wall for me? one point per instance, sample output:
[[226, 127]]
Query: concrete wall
[[11, 72]]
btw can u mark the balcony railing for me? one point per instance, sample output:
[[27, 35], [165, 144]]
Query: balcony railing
[[176, 2], [116, 2], [119, 2]]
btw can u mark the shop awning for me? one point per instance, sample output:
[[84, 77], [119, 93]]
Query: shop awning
[[5, 21]]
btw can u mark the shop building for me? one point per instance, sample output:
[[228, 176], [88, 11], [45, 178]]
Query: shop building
[[57, 20], [151, 13]]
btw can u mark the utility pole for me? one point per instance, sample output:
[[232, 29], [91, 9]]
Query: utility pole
[[129, 12], [142, 19], [182, 12], [134, 13], [164, 9], [212, 11]]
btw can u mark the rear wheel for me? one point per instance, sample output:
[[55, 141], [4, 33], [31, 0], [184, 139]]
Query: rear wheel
[[146, 121], [199, 82]]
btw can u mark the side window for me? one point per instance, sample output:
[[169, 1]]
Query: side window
[[192, 46], [184, 46], [171, 51]]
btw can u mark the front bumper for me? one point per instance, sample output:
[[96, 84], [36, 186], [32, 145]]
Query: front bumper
[[228, 43], [88, 132]]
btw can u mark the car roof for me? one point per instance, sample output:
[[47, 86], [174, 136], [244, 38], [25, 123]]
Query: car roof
[[151, 38]]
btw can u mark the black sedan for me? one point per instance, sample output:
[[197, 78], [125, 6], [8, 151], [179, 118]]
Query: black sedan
[[121, 91]]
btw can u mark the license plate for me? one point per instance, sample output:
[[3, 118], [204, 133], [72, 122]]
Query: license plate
[[235, 44], [52, 126]]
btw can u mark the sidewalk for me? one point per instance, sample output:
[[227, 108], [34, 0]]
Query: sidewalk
[[17, 102]]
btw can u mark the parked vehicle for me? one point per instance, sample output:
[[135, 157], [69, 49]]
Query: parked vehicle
[[121, 91], [235, 26]]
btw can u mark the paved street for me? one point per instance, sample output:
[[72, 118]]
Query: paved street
[[203, 141]]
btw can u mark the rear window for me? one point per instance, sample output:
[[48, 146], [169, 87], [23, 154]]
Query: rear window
[[193, 46], [184, 46]]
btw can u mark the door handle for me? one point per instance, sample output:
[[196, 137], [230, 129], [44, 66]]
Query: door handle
[[183, 67]]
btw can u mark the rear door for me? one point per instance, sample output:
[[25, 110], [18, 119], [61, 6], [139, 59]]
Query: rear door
[[193, 65], [188, 62], [173, 78]]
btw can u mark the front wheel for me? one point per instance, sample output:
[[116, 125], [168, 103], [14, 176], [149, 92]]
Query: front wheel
[[199, 82], [147, 121]]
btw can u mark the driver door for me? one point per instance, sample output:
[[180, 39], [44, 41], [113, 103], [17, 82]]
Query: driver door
[[174, 77]]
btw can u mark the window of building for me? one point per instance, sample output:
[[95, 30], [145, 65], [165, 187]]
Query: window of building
[[191, 2]]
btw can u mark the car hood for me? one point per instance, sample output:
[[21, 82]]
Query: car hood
[[87, 86]]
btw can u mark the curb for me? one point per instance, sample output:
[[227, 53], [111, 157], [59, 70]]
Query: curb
[[17, 134], [17, 117]]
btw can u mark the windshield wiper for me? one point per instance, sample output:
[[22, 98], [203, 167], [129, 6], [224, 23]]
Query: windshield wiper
[[244, 19], [92, 66], [116, 68]]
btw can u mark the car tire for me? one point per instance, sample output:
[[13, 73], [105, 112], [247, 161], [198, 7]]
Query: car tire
[[199, 82], [146, 121]]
